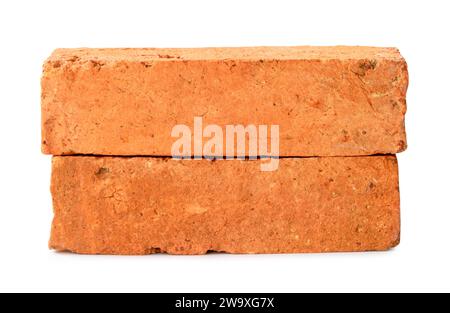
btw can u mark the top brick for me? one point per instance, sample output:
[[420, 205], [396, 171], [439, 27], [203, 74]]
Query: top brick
[[328, 101]]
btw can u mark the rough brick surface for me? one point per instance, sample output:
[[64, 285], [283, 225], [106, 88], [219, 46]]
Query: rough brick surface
[[338, 101], [112, 205]]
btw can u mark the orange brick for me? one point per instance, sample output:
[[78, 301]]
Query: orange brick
[[137, 206], [328, 101]]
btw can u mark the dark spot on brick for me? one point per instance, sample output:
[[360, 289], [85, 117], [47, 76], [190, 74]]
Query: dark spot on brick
[[366, 66], [73, 59], [154, 251], [394, 104], [102, 171], [167, 56], [97, 64], [345, 135], [146, 64]]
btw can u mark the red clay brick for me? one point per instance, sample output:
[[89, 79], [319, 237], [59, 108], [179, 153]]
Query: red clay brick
[[137, 206], [328, 101]]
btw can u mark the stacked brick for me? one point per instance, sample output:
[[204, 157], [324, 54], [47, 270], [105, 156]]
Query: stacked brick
[[108, 116]]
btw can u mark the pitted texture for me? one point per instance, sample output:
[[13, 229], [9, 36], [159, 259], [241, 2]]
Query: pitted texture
[[138, 206], [328, 101]]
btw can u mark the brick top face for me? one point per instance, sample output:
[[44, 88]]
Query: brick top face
[[218, 54]]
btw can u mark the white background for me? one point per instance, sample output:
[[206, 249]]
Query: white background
[[30, 30]]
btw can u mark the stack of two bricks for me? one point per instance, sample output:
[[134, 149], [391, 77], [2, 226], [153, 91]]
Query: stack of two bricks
[[311, 168]]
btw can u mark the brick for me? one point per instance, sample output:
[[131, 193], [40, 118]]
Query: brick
[[142, 205], [328, 101]]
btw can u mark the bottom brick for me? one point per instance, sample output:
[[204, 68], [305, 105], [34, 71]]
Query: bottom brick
[[138, 206]]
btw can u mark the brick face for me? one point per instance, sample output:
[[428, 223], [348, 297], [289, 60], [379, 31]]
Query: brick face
[[142, 205], [341, 101]]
